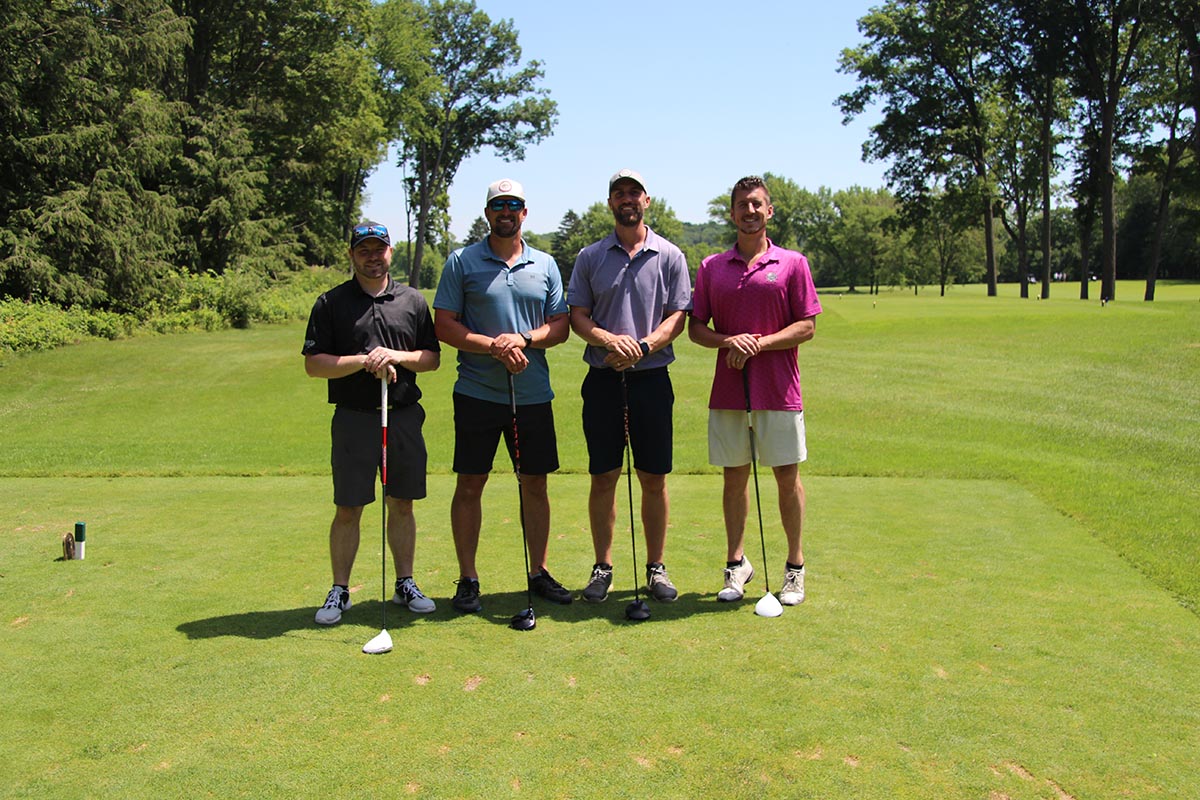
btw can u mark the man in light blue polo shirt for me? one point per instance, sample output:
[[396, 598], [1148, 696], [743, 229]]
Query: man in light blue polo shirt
[[500, 304], [630, 293]]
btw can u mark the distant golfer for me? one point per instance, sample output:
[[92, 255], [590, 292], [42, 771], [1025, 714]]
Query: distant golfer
[[761, 304], [359, 332], [629, 297], [500, 304]]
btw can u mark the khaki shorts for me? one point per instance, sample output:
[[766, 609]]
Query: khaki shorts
[[778, 438]]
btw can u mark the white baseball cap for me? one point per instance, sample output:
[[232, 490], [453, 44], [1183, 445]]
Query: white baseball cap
[[505, 188], [629, 174]]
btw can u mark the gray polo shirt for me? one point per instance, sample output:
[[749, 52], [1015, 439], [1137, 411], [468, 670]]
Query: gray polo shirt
[[631, 295]]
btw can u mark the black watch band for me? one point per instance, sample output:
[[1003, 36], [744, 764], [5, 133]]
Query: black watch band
[[528, 339], [645, 348]]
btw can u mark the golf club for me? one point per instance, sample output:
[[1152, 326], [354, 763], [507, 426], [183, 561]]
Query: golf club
[[769, 605], [382, 643], [522, 620], [637, 610]]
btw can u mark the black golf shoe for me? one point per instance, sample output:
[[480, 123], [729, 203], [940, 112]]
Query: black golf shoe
[[597, 589], [543, 585], [466, 599]]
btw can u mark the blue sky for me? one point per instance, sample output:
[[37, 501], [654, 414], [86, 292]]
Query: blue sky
[[693, 94]]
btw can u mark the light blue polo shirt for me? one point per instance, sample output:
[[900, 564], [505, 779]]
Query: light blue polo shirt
[[492, 298], [631, 296]]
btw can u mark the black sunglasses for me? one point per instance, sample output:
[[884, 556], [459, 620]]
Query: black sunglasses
[[499, 204]]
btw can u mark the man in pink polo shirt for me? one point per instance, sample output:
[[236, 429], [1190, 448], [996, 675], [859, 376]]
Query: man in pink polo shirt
[[756, 303]]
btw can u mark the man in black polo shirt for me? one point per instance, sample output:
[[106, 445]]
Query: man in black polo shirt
[[359, 332]]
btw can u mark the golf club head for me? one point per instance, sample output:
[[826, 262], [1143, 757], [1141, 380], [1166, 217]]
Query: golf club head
[[382, 643], [768, 607], [523, 620], [637, 611]]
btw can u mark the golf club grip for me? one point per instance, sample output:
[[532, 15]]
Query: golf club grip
[[746, 385], [383, 420]]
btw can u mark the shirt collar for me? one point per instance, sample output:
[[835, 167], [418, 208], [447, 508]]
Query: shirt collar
[[649, 246], [770, 255]]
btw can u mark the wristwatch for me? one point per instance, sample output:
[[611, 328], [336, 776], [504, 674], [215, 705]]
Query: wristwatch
[[528, 339], [645, 348]]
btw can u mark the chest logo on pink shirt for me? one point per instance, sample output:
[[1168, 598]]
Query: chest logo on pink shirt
[[772, 277]]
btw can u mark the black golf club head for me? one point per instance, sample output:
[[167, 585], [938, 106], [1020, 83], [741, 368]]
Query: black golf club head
[[637, 611], [523, 620]]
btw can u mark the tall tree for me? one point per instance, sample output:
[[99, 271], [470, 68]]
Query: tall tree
[[929, 63], [1163, 92], [471, 92], [285, 112], [85, 202], [1105, 36], [1033, 78]]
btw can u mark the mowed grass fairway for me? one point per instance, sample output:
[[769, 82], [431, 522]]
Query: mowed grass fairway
[[1003, 580]]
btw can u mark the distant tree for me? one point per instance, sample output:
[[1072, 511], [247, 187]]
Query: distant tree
[[470, 92], [560, 244], [1017, 169], [479, 231]]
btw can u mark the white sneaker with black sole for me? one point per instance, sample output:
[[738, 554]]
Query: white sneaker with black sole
[[407, 594], [336, 602], [736, 579]]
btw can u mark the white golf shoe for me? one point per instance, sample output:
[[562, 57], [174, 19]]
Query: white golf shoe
[[792, 593], [736, 579]]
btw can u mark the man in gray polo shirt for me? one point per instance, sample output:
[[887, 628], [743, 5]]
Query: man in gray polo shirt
[[629, 296]]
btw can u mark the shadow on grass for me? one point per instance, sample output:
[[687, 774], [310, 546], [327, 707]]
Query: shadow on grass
[[498, 609], [279, 622]]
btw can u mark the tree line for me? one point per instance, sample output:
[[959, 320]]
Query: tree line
[[150, 140], [985, 102]]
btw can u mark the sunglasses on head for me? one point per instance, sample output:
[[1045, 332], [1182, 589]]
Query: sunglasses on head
[[363, 231], [499, 204]]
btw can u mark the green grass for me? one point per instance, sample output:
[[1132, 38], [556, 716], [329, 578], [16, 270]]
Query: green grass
[[1001, 546]]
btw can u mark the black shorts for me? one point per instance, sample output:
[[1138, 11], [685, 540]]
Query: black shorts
[[357, 444], [479, 424], [651, 399]]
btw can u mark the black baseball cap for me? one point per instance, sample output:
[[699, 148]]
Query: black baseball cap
[[369, 230]]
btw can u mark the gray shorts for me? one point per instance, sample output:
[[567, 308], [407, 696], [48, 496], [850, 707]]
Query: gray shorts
[[779, 438], [357, 444]]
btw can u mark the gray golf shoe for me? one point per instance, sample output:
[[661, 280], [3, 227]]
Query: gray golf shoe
[[337, 601], [407, 594], [736, 579], [658, 585]]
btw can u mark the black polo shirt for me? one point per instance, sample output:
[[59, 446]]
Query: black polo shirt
[[347, 321]]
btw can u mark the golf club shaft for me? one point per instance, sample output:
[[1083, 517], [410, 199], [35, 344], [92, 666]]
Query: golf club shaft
[[629, 484], [383, 419], [512, 405], [754, 469]]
